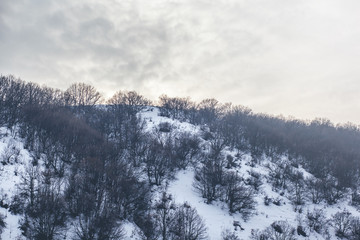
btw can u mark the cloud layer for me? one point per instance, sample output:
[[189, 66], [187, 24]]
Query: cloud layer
[[282, 57]]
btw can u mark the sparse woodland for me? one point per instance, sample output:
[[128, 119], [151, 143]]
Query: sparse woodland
[[94, 165]]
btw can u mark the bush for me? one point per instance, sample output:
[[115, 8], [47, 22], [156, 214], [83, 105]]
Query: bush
[[229, 235], [209, 179], [185, 148], [214, 183], [254, 181], [207, 135], [301, 231], [165, 127], [231, 161], [277, 201], [342, 223], [2, 223], [238, 197], [355, 198], [10, 154], [316, 220], [355, 228], [176, 222], [187, 224], [277, 230], [267, 200]]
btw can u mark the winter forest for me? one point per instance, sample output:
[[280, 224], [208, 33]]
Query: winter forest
[[74, 165]]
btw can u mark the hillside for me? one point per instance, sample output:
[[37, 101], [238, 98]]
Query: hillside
[[73, 167], [216, 215]]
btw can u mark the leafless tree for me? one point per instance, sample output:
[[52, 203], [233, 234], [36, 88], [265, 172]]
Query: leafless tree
[[187, 224], [342, 223], [279, 230], [238, 197], [130, 100], [81, 94]]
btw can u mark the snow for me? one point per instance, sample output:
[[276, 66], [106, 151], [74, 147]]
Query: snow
[[131, 231], [152, 117], [216, 219], [9, 178]]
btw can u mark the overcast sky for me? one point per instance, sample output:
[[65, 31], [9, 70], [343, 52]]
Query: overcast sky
[[290, 57]]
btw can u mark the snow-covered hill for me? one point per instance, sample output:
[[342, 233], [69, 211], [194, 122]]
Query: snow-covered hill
[[216, 215], [15, 159]]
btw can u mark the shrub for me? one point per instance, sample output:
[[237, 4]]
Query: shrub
[[229, 235], [277, 230], [342, 223], [238, 197], [355, 228], [165, 127], [2, 223], [316, 220], [187, 224]]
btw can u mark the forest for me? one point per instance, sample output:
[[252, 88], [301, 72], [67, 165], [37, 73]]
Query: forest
[[94, 165]]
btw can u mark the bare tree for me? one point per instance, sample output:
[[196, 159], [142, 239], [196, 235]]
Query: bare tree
[[165, 213], [342, 223], [229, 235], [45, 214], [355, 228], [130, 100], [174, 222], [187, 224], [81, 94], [316, 220], [157, 163], [186, 147], [238, 197], [208, 179], [278, 230], [10, 154], [175, 107], [314, 189], [12, 96], [297, 187]]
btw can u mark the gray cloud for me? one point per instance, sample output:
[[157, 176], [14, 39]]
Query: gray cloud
[[282, 57]]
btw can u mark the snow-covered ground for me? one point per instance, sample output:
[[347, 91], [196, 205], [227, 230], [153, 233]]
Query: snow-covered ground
[[152, 117], [217, 217], [10, 173]]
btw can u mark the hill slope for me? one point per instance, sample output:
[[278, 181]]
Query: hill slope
[[273, 181]]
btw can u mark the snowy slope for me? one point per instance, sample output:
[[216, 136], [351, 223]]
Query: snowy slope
[[216, 215]]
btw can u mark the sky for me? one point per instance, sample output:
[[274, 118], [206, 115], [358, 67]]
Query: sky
[[295, 58]]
